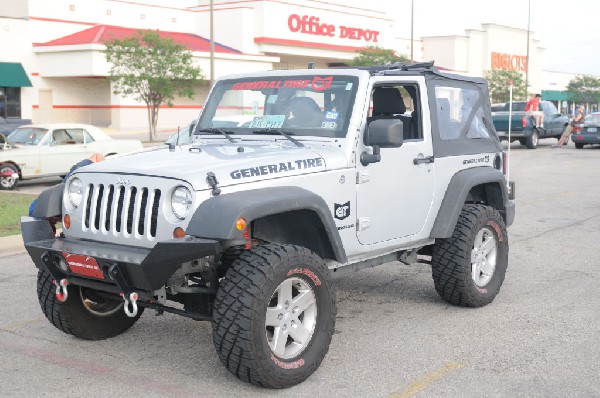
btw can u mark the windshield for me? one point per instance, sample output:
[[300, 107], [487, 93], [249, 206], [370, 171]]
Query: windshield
[[298, 105], [27, 136]]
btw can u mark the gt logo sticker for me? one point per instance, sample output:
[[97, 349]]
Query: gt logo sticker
[[321, 83], [341, 211]]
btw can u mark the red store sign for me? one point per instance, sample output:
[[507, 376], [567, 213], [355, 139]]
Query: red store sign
[[311, 25], [509, 62]]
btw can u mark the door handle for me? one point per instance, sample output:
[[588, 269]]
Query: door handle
[[423, 159]]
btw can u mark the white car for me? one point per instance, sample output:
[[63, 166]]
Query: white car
[[41, 150]]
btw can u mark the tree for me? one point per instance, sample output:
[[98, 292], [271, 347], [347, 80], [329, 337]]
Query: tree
[[152, 69], [584, 89], [374, 55], [499, 85]]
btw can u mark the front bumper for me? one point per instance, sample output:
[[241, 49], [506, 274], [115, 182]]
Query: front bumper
[[122, 268]]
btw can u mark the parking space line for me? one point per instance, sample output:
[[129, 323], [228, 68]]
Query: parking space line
[[425, 381]]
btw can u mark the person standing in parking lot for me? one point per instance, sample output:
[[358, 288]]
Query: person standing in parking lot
[[579, 118], [532, 108]]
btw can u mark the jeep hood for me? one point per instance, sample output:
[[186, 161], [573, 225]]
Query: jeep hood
[[231, 163]]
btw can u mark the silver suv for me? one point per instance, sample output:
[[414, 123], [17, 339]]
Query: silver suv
[[290, 179]]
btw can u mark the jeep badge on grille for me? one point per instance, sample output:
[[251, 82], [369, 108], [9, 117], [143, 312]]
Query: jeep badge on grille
[[123, 181]]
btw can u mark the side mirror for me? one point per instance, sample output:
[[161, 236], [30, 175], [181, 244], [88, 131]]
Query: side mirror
[[382, 133]]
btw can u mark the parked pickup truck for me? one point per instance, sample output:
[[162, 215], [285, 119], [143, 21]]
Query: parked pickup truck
[[523, 129], [8, 125]]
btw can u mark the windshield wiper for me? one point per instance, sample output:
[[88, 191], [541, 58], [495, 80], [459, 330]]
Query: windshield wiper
[[214, 130], [286, 134]]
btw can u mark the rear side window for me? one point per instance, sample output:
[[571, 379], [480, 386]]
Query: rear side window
[[460, 113]]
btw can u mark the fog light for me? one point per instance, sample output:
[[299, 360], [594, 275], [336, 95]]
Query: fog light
[[67, 221], [178, 233], [62, 264]]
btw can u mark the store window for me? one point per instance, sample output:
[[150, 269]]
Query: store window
[[10, 102]]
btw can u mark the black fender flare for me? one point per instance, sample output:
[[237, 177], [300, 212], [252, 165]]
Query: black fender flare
[[456, 195], [215, 218], [49, 202]]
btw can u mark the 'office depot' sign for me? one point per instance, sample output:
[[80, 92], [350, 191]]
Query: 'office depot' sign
[[313, 26]]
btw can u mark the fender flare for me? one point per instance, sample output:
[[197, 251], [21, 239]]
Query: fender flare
[[49, 202], [215, 218], [456, 195]]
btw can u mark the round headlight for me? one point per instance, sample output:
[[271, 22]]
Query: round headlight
[[75, 191], [181, 201]]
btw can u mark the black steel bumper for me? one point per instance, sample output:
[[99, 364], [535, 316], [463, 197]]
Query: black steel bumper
[[124, 268]]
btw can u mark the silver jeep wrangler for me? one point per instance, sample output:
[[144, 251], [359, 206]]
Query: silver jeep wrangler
[[290, 179]]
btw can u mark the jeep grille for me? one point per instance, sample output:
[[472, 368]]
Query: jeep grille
[[125, 211]]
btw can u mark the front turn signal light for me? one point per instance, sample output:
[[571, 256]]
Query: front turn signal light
[[67, 221], [240, 224], [178, 233]]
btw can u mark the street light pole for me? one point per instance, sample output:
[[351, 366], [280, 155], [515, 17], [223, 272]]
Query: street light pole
[[412, 23], [527, 55], [212, 46]]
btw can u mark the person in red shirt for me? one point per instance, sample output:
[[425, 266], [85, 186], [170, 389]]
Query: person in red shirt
[[532, 108]]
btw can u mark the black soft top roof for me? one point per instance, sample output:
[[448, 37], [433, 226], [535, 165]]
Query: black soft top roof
[[421, 68]]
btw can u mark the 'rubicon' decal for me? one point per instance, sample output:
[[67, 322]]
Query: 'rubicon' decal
[[276, 168]]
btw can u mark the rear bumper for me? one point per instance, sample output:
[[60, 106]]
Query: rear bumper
[[145, 269], [585, 138]]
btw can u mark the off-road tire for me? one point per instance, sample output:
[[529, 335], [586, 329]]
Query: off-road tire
[[240, 333], [578, 146], [8, 183], [74, 317], [452, 269], [532, 140]]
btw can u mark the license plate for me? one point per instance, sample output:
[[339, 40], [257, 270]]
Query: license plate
[[83, 265], [592, 130]]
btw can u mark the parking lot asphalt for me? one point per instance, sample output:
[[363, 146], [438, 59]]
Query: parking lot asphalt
[[394, 336]]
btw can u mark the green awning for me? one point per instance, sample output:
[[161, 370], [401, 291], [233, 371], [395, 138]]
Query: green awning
[[553, 95], [12, 74]]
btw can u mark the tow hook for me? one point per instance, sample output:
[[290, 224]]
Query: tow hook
[[130, 300], [61, 290]]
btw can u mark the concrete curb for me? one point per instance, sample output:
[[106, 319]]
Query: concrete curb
[[11, 245]]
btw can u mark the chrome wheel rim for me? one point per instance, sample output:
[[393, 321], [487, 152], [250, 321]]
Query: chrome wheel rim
[[7, 182], [291, 318], [483, 257], [534, 138]]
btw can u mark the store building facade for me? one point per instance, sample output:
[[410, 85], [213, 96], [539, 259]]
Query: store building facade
[[59, 46]]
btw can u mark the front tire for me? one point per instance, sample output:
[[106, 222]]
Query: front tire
[[84, 314], [532, 141], [468, 268], [274, 315], [8, 183]]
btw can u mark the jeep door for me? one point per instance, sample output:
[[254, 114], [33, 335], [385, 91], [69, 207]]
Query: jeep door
[[394, 195]]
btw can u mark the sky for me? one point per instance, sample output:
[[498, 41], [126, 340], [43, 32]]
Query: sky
[[568, 30]]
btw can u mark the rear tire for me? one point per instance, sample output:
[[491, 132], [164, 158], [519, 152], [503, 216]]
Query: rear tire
[[579, 146], [468, 268], [533, 139], [274, 315], [83, 315]]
